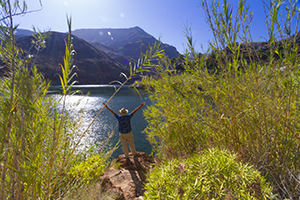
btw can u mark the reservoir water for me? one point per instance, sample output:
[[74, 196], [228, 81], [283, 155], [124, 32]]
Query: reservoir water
[[89, 106]]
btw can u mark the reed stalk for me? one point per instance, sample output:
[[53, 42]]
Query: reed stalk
[[142, 66], [11, 102], [246, 101], [37, 152]]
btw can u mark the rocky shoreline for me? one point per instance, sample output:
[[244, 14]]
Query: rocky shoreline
[[126, 182]]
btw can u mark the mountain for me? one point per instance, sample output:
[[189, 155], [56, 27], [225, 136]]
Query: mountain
[[101, 54], [129, 42], [23, 32], [94, 66], [114, 38]]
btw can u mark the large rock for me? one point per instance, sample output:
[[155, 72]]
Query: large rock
[[127, 182]]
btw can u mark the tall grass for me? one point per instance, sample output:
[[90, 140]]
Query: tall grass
[[248, 102], [35, 137], [38, 157]]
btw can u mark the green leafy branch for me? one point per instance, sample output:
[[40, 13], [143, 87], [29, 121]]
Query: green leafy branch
[[68, 66]]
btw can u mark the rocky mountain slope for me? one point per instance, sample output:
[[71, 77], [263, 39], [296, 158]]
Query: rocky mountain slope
[[23, 32], [101, 54], [94, 66], [129, 42]]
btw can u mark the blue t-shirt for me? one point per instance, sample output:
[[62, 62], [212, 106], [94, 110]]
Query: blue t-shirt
[[124, 122]]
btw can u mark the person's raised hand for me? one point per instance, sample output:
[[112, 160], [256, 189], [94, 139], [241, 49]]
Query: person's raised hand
[[142, 104]]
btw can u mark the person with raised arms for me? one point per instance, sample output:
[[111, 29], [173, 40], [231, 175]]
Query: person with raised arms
[[125, 129]]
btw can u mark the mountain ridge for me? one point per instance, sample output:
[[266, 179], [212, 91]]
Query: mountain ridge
[[93, 66], [99, 58], [125, 41]]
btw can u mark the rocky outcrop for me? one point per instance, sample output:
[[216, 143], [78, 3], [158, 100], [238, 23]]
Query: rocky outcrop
[[127, 182]]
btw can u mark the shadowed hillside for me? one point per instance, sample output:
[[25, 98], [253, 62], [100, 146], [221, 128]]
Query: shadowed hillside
[[94, 66], [101, 54]]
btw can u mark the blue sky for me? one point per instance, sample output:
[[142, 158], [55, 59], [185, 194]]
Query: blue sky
[[160, 18]]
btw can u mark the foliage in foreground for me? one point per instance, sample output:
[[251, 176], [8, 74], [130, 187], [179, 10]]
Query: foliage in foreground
[[215, 174], [37, 140], [245, 104]]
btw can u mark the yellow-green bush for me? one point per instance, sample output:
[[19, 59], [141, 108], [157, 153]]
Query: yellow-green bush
[[89, 170], [215, 174]]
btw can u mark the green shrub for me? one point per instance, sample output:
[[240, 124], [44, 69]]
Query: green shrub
[[242, 103], [37, 140], [175, 126], [89, 170], [215, 174]]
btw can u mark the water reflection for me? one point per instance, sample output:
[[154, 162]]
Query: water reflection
[[88, 107]]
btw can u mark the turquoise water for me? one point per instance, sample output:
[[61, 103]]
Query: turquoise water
[[89, 106]]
